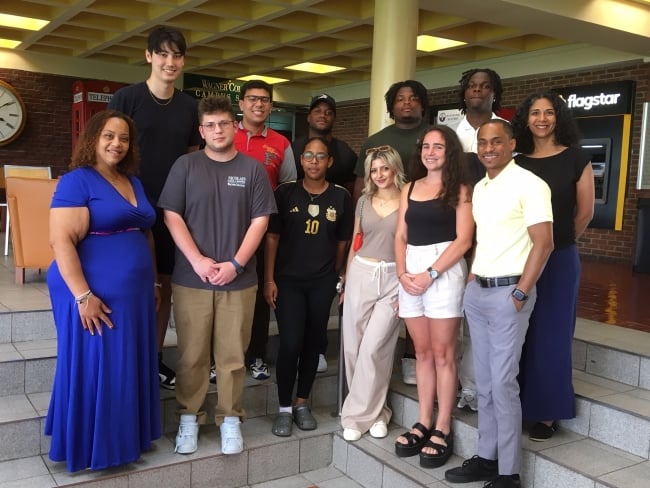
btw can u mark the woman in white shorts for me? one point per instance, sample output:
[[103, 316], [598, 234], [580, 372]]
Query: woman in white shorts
[[434, 230]]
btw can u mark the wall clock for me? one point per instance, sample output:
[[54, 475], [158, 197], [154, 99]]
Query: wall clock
[[12, 113]]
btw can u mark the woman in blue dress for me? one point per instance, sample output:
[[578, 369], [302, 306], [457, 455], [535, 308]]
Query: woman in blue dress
[[104, 409]]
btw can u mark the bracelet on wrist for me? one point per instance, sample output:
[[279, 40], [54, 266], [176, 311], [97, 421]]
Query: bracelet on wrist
[[83, 297], [157, 284]]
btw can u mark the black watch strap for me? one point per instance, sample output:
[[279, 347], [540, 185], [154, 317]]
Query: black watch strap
[[519, 295]]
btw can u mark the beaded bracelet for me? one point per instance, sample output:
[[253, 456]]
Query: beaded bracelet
[[83, 297]]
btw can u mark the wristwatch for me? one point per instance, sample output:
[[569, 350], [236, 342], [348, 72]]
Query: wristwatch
[[519, 295], [239, 269], [433, 273]]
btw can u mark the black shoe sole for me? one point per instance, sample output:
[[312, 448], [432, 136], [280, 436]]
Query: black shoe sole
[[467, 479]]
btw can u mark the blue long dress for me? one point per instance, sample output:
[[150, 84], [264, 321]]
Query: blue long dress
[[105, 407]]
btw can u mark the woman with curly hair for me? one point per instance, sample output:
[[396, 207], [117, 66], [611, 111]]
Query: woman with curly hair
[[547, 140], [434, 230], [104, 409]]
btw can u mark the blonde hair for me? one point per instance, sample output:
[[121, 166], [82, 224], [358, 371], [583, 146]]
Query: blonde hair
[[393, 160]]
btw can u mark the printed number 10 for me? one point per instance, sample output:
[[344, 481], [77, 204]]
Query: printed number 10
[[311, 226]]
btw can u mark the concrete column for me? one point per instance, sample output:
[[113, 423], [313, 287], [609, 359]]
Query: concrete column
[[393, 53]]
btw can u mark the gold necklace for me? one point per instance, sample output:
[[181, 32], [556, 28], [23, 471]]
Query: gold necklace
[[156, 99], [384, 202]]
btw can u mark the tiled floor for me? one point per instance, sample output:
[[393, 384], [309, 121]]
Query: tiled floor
[[609, 293]]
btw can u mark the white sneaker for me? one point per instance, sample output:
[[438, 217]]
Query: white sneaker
[[408, 371], [468, 399], [232, 441], [351, 435], [187, 439], [322, 364], [379, 430]]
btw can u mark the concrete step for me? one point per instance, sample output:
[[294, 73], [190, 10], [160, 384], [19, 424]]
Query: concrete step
[[570, 459], [616, 414], [266, 457], [22, 416]]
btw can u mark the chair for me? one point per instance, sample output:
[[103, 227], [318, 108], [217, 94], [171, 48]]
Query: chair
[[29, 206], [24, 172]]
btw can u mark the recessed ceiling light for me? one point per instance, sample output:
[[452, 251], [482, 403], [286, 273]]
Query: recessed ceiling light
[[26, 23], [315, 68], [271, 80], [430, 43], [8, 43]]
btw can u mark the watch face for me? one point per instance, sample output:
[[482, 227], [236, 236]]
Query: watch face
[[12, 114], [519, 295]]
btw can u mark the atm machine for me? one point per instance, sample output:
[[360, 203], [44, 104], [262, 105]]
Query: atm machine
[[604, 116]]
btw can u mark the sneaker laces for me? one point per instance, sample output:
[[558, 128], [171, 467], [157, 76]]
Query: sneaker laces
[[186, 430], [231, 432]]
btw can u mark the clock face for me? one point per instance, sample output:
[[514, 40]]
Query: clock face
[[12, 113]]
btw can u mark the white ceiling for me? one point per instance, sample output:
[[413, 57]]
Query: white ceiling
[[232, 38]]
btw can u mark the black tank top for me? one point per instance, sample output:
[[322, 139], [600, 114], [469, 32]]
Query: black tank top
[[429, 222]]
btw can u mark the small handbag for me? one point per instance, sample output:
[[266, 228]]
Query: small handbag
[[358, 237]]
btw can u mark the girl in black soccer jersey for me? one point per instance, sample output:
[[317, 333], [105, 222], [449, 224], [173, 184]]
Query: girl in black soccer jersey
[[305, 249]]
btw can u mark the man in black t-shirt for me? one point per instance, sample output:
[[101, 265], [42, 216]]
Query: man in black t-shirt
[[167, 122]]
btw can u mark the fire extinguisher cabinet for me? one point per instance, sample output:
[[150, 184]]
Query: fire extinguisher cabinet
[[88, 98]]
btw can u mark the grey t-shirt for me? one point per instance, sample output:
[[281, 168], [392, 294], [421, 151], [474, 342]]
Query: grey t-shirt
[[378, 232], [217, 201]]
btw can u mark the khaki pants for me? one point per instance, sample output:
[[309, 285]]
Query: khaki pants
[[220, 320]]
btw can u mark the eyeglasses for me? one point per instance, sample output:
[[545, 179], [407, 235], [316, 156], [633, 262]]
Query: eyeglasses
[[320, 156], [379, 149], [223, 125], [254, 99]]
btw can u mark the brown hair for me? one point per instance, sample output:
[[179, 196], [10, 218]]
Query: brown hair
[[85, 152], [454, 171]]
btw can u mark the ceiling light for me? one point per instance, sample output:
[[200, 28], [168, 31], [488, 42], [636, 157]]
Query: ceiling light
[[271, 80], [26, 23], [429, 43], [8, 43], [315, 68]]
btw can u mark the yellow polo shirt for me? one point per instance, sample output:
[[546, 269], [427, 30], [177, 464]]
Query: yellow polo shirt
[[503, 208]]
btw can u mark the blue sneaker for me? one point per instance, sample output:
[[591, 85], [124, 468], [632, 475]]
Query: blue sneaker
[[259, 369]]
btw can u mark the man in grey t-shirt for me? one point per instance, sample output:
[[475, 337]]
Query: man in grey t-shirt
[[217, 204]]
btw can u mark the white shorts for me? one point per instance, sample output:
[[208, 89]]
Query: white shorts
[[444, 298]]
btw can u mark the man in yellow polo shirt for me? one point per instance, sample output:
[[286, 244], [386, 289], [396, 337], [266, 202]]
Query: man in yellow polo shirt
[[512, 210]]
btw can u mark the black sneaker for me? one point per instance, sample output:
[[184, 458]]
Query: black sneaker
[[167, 376], [504, 481], [474, 469], [541, 432]]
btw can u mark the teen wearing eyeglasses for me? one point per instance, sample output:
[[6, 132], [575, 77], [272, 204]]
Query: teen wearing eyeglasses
[[305, 250]]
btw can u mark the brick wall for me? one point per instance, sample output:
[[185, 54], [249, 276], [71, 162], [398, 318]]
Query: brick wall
[[601, 244], [46, 139]]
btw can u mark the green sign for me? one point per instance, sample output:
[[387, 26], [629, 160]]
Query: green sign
[[199, 87]]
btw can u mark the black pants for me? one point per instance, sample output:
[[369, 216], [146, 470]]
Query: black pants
[[262, 313], [302, 310]]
